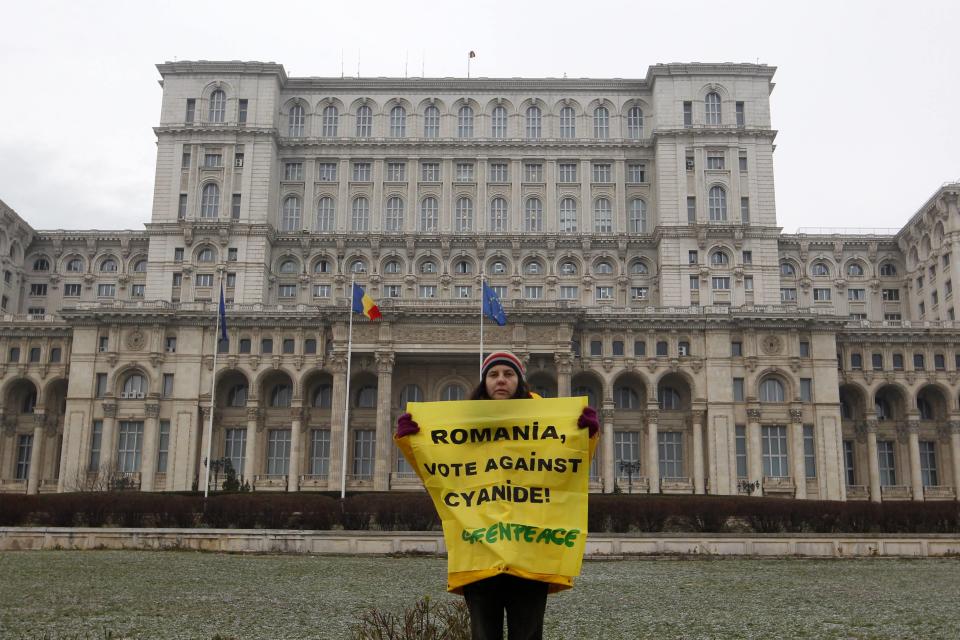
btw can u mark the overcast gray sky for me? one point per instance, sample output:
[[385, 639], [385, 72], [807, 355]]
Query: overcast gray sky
[[866, 102]]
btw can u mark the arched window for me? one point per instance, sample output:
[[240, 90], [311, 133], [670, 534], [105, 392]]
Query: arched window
[[771, 390], [498, 267], [888, 270], [75, 265], [602, 216], [290, 220], [568, 123], [295, 121], [410, 393], [431, 122], [29, 402], [463, 221], [638, 216], [719, 258], [533, 123], [820, 269], [498, 123], [237, 396], [321, 266], [639, 268], [325, 212], [711, 104], [367, 397], [288, 266], [41, 264], [603, 268], [205, 255], [533, 215], [625, 398], [109, 265], [135, 386], [218, 106], [393, 221], [717, 204], [533, 268], [568, 268], [358, 266], [322, 397], [453, 392], [281, 395], [429, 216], [360, 214], [392, 266], [210, 201], [854, 270], [463, 267], [635, 123], [584, 390], [498, 215], [882, 408], [428, 267], [601, 123], [398, 122], [787, 269], [568, 215], [331, 121], [364, 122], [925, 409], [669, 399], [465, 122], [140, 266]]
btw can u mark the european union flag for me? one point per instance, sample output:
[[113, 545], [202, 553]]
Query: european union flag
[[492, 307], [223, 315]]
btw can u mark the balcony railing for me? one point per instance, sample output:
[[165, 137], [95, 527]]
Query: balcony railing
[[896, 492]]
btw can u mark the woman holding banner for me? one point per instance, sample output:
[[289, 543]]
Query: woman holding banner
[[523, 599]]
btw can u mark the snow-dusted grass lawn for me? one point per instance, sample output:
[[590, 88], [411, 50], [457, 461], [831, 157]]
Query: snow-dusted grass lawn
[[174, 594]]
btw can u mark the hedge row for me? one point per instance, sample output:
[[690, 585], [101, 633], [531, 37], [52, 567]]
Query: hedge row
[[415, 512]]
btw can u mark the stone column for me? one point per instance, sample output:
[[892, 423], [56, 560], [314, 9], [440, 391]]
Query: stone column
[[148, 463], [108, 445], [293, 468], [250, 466], [384, 442], [799, 459], [36, 452], [916, 478], [696, 422], [564, 371], [754, 450], [873, 463], [955, 455], [338, 364], [607, 472], [653, 449]]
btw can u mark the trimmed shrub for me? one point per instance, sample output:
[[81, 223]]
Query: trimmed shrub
[[390, 512], [15, 509]]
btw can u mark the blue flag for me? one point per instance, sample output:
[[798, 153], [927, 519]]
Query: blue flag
[[492, 307], [223, 315]]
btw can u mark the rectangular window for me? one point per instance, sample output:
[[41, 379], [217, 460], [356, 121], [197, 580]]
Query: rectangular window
[[567, 172], [806, 389], [106, 290], [596, 348], [748, 257], [129, 446], [34, 355], [748, 283], [804, 349], [533, 172], [928, 463], [887, 462], [856, 361], [463, 291], [741, 117], [168, 385], [499, 172], [920, 282], [364, 445], [500, 290], [242, 111], [742, 158], [692, 256], [231, 282], [101, 385], [898, 362], [137, 290], [163, 446], [876, 361], [636, 173], [602, 172], [96, 436], [639, 293], [204, 279], [738, 395], [361, 172], [464, 172], [185, 158], [428, 291], [809, 452], [287, 290], [266, 345], [56, 354], [848, 462], [24, 451], [71, 290], [191, 110], [238, 159], [327, 172], [661, 348], [235, 449], [389, 291], [947, 288], [235, 206], [691, 209], [775, 451], [670, 444], [856, 295], [103, 344], [821, 295], [690, 162], [232, 254], [182, 207], [721, 282], [38, 289], [396, 172], [687, 114], [533, 292], [715, 161], [626, 449], [178, 254], [919, 361], [319, 464], [288, 345], [245, 345], [310, 346], [569, 293], [788, 295], [639, 348], [745, 210], [736, 349], [694, 283], [278, 452], [430, 171], [741, 450], [604, 293], [922, 309], [939, 363], [212, 160]]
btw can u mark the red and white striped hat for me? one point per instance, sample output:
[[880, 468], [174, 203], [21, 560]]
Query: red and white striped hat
[[502, 357]]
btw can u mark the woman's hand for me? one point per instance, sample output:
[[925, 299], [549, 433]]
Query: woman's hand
[[588, 420], [406, 426]]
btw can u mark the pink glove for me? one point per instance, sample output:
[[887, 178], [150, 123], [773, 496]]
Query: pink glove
[[588, 420], [406, 426]]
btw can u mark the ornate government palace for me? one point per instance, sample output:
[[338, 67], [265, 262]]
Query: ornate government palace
[[628, 225]]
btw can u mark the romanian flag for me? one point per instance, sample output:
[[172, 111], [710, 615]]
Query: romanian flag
[[362, 303]]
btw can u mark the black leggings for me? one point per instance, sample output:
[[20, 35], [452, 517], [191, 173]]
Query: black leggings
[[524, 600]]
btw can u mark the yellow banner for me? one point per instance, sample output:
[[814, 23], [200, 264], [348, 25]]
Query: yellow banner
[[509, 479]]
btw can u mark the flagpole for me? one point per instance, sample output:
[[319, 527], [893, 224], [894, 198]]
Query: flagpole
[[482, 294], [346, 407], [213, 390]]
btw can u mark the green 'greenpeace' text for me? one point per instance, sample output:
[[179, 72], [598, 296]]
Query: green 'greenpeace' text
[[511, 531]]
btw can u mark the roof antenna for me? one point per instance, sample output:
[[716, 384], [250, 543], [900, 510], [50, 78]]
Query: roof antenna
[[423, 63], [358, 63], [341, 64], [406, 64]]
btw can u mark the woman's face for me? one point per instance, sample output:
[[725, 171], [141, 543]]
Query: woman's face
[[501, 382]]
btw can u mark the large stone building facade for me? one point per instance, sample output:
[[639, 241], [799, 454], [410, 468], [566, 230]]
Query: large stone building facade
[[628, 225]]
